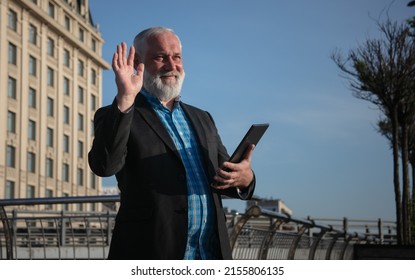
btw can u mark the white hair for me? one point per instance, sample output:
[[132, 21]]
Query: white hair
[[141, 40]]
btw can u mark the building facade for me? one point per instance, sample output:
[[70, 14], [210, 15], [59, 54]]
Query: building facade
[[51, 64]]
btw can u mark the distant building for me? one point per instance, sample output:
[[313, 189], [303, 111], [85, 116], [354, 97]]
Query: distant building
[[110, 190], [275, 205], [50, 56]]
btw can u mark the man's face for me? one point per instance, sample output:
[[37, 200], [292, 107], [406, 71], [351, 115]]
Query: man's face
[[164, 72]]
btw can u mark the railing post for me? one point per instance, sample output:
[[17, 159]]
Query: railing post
[[345, 224], [346, 244], [7, 233], [254, 211], [318, 238], [380, 231], [63, 229], [331, 246], [263, 250], [296, 240], [109, 228]]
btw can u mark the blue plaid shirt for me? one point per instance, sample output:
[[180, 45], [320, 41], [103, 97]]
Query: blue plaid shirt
[[201, 237]]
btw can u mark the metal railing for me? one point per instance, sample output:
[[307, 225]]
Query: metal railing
[[29, 234], [257, 234], [263, 234]]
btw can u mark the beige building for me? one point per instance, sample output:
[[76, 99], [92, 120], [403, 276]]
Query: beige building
[[51, 69]]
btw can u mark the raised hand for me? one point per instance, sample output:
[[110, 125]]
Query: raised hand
[[129, 79]]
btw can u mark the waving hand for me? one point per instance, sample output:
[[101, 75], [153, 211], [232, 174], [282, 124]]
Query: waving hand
[[129, 79]]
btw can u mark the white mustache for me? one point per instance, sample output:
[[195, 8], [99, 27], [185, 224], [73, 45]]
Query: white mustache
[[174, 73]]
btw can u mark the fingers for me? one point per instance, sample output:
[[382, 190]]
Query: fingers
[[130, 59], [236, 174], [226, 178], [114, 62], [120, 58], [248, 152]]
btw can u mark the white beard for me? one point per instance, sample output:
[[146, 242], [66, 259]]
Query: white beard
[[164, 92]]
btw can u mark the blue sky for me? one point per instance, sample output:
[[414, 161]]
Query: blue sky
[[269, 61]]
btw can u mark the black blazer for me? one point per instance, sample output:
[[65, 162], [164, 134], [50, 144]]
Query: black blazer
[[152, 219]]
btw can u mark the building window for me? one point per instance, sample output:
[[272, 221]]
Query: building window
[[91, 128], [93, 102], [31, 133], [30, 191], [11, 156], [66, 58], [81, 34], [51, 47], [48, 193], [66, 86], [65, 114], [50, 77], [65, 143], [80, 149], [49, 167], [80, 122], [80, 176], [12, 57], [32, 98], [94, 45], [11, 122], [50, 107], [67, 23], [49, 137], [65, 172], [79, 207], [12, 20], [65, 207], [32, 66], [11, 88], [92, 179], [31, 162], [81, 68], [51, 10], [80, 95], [9, 190], [32, 34], [92, 207], [93, 77]]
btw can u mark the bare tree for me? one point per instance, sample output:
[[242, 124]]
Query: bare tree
[[382, 71]]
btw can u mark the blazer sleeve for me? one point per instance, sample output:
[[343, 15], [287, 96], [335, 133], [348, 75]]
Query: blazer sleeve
[[109, 148]]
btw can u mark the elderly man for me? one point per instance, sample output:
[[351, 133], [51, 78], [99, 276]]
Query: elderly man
[[166, 155]]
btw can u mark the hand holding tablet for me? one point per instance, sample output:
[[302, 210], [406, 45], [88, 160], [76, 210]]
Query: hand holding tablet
[[226, 179]]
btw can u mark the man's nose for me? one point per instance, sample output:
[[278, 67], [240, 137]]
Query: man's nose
[[169, 64]]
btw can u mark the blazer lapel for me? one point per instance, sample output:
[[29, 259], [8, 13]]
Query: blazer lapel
[[146, 111]]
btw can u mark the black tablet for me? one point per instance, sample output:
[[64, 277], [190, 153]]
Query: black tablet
[[253, 136]]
